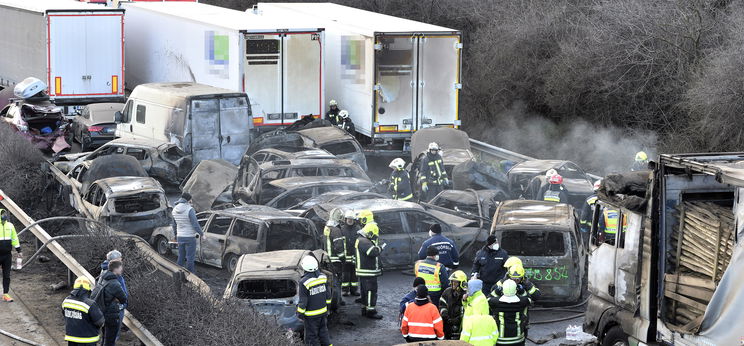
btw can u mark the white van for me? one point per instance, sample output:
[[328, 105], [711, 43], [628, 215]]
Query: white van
[[205, 121]]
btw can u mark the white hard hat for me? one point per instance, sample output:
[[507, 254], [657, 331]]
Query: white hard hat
[[336, 215], [551, 172], [309, 264], [433, 146], [350, 214], [398, 163], [343, 113], [333, 103], [597, 184]]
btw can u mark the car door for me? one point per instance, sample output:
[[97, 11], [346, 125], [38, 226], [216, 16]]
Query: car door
[[203, 220], [398, 251], [90, 198], [213, 243], [418, 224], [244, 237]]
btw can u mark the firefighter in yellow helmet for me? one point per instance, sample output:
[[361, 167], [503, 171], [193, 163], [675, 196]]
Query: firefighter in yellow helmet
[[83, 318], [641, 161], [368, 263], [450, 304]]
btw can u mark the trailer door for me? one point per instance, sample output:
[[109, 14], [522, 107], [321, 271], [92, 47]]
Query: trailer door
[[235, 125], [395, 75], [438, 80], [263, 77], [301, 61], [85, 52]]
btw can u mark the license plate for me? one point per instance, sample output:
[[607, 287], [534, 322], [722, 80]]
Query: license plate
[[109, 130]]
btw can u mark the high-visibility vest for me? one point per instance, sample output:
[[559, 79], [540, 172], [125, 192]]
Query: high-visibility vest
[[430, 274], [477, 304], [480, 330], [552, 196], [611, 218]]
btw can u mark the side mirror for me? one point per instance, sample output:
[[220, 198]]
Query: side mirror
[[117, 117]]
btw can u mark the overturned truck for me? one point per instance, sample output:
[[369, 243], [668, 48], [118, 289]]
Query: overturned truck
[[672, 272]]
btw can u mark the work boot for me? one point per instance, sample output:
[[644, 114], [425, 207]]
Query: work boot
[[364, 311], [342, 302], [372, 314], [355, 293], [346, 293], [358, 301], [7, 298]]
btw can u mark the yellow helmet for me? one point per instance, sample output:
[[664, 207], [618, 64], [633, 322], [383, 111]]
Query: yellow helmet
[[641, 156], [512, 261], [458, 275], [516, 272], [82, 282], [365, 217]]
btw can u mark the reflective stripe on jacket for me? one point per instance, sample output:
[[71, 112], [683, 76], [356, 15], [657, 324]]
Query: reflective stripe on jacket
[[82, 319], [430, 272], [422, 321], [8, 237], [367, 257], [432, 169], [400, 185], [480, 330], [611, 218], [510, 319], [315, 295], [335, 243]]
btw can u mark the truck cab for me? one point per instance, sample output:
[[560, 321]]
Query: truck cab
[[671, 273]]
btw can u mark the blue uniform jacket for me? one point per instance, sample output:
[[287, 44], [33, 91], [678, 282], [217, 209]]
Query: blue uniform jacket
[[447, 250]]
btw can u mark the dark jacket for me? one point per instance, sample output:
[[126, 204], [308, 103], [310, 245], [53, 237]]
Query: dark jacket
[[367, 257], [525, 288], [432, 169], [122, 282], [400, 185], [450, 307], [510, 319], [447, 250], [555, 193], [489, 264], [315, 295], [587, 213], [350, 235], [348, 126], [82, 316], [410, 297], [335, 243], [332, 116], [112, 293]]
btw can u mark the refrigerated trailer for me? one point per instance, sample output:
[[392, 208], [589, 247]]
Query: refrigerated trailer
[[277, 62], [393, 75], [76, 48]]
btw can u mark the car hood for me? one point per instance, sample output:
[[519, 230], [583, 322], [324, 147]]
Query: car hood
[[208, 180]]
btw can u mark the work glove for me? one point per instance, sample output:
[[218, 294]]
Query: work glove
[[424, 187], [446, 182]]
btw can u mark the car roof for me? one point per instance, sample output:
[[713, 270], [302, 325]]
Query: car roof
[[303, 153], [325, 134], [536, 165], [329, 162], [128, 185], [298, 182], [381, 204], [260, 212], [529, 212], [272, 260], [150, 143]]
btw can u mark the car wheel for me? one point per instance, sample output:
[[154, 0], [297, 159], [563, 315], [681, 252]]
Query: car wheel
[[161, 245], [230, 263], [615, 337]]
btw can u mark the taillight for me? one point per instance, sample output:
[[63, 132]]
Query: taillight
[[95, 128]]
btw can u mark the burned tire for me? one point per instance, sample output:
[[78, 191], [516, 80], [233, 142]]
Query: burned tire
[[161, 245], [615, 337], [230, 263]]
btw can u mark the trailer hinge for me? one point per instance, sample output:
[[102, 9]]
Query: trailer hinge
[[458, 86], [376, 87], [458, 45], [458, 122], [375, 124], [378, 46]]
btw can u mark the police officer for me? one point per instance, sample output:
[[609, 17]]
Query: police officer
[[315, 296], [345, 122], [447, 249], [434, 273], [83, 318], [332, 114], [349, 228], [368, 263], [400, 181], [488, 264], [555, 192], [432, 176], [450, 304], [335, 242], [609, 224], [587, 213]]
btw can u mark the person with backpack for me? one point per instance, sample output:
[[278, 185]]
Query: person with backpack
[[114, 256], [110, 297]]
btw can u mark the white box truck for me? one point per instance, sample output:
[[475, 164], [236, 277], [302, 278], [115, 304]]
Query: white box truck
[[277, 62], [76, 48], [393, 75]]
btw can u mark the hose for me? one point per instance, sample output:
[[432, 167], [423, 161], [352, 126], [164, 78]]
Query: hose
[[562, 307], [558, 319], [16, 337]]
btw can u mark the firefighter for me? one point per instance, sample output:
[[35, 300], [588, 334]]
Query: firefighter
[[450, 304], [83, 318], [525, 287], [349, 228], [641, 162], [8, 241], [556, 192], [345, 122], [447, 249], [587, 213], [488, 264], [508, 311], [400, 181], [432, 176], [434, 273], [332, 114], [421, 320], [368, 263], [335, 242], [315, 296]]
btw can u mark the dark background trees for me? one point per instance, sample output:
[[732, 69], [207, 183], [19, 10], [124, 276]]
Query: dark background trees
[[584, 79]]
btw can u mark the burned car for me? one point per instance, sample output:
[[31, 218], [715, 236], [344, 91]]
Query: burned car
[[39, 121], [470, 204], [269, 283], [163, 161], [404, 226], [454, 144], [209, 184], [94, 125], [232, 232], [336, 197], [329, 138], [288, 153], [527, 180], [545, 236]]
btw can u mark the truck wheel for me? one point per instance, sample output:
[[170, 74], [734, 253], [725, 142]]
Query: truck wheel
[[161, 245], [230, 263], [615, 337]]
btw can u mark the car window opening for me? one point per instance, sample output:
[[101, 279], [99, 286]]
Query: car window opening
[[533, 243], [266, 289], [288, 235], [137, 203]]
